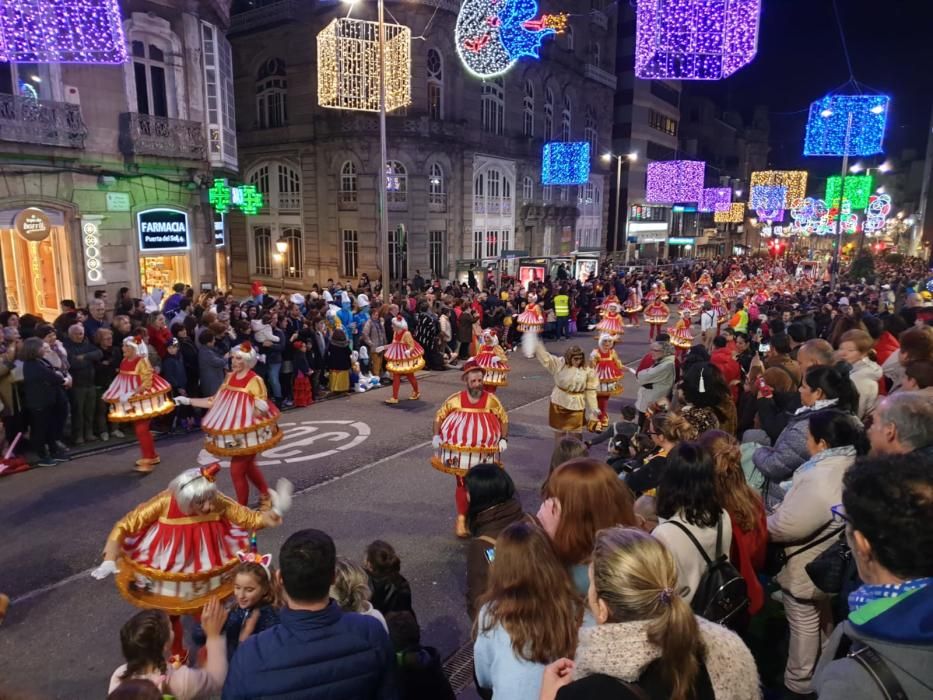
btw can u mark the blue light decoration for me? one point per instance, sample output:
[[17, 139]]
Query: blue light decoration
[[768, 197], [491, 35], [828, 123], [876, 215], [714, 199], [565, 163], [673, 181]]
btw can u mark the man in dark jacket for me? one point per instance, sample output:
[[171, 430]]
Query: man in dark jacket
[[318, 651], [82, 357], [211, 364]]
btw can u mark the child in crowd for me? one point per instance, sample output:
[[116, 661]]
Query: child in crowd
[[391, 591], [173, 371], [350, 590], [262, 330], [337, 360], [419, 668], [620, 436], [136, 689], [301, 385]]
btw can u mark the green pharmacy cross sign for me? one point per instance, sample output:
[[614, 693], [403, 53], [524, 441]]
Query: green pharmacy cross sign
[[246, 198]]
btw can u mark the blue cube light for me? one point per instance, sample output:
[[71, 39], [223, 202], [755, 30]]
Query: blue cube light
[[829, 121], [565, 163]]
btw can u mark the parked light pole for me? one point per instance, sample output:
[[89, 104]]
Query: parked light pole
[[631, 158]]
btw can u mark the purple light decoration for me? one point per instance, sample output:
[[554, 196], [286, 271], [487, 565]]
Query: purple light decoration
[[61, 31], [695, 39], [715, 199], [672, 181], [828, 131], [768, 197]]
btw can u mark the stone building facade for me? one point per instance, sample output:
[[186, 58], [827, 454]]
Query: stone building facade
[[464, 159]]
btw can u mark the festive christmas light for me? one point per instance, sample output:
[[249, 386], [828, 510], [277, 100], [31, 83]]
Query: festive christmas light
[[348, 65], [246, 198], [491, 35], [672, 181], [695, 39], [734, 215], [794, 180], [565, 163], [858, 190], [879, 206], [61, 31], [828, 130], [711, 197], [768, 197]]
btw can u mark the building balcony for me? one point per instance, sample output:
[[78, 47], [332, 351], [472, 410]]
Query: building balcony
[[148, 135], [41, 122], [599, 18], [265, 14], [597, 74], [437, 201]]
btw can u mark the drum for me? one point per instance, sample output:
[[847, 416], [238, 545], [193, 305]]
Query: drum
[[407, 365], [452, 459]]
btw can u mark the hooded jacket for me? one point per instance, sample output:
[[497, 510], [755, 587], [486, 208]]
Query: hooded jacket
[[865, 375], [900, 630]]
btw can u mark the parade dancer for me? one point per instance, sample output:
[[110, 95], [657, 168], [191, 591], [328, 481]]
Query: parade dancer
[[137, 395], [470, 428], [605, 362], [177, 551], [492, 358], [530, 323], [241, 422], [681, 335], [611, 324], [632, 306], [656, 314], [610, 299], [404, 356], [573, 401]]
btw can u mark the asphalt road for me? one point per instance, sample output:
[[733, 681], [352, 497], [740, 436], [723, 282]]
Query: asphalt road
[[361, 471]]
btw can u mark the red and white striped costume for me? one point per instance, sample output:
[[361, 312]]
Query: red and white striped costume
[[611, 324], [657, 312], [492, 358], [233, 410], [681, 335], [404, 355], [608, 371], [531, 320], [137, 393], [470, 432]]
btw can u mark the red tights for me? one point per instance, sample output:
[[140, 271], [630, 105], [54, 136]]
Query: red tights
[[146, 443], [397, 383], [653, 330], [460, 496], [602, 401], [244, 470]]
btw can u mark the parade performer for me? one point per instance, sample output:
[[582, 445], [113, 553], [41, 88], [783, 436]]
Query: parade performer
[[404, 356], [531, 320], [656, 314], [492, 358], [686, 289], [610, 299], [681, 335], [609, 371], [705, 280], [632, 306], [240, 423], [137, 395], [178, 550], [470, 428], [721, 310], [573, 399], [611, 324]]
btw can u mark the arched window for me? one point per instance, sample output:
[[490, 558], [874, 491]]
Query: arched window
[[279, 220], [548, 114], [150, 72], [260, 178], [565, 117], [493, 106], [289, 193], [271, 95], [528, 189], [590, 132], [435, 85], [348, 185], [262, 250], [437, 196], [294, 255], [492, 206], [528, 103], [546, 193], [396, 183]]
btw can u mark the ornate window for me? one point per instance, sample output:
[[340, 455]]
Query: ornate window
[[150, 72], [262, 250], [528, 189], [493, 219], [272, 95], [279, 220], [437, 197], [548, 114], [493, 106], [289, 192], [528, 111], [396, 183], [565, 118], [294, 256], [348, 184], [590, 132], [435, 85]]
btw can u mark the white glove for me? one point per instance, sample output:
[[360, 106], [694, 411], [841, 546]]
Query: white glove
[[106, 568], [281, 497], [182, 400], [503, 445], [436, 442], [262, 405]]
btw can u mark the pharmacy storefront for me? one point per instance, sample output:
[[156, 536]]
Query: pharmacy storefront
[[165, 238]]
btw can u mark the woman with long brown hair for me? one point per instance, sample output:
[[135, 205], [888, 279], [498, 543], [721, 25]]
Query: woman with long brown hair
[[647, 641], [530, 614], [581, 497], [746, 511]]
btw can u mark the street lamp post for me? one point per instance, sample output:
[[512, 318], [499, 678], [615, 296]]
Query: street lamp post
[[631, 158], [281, 257]]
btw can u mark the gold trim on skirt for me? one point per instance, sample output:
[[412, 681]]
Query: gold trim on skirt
[[564, 419], [339, 380]]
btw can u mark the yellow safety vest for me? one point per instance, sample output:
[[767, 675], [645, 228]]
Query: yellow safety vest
[[562, 305]]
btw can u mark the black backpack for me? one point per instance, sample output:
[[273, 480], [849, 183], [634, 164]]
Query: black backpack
[[722, 594]]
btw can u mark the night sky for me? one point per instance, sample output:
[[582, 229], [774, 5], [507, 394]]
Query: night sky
[[800, 58]]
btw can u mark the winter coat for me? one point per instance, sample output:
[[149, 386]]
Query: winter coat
[[42, 385], [885, 346], [775, 412], [748, 556], [82, 358], [211, 370], [107, 368], [465, 327], [173, 371], [865, 375], [158, 339], [901, 634], [622, 651], [337, 358], [778, 463], [420, 675], [817, 487], [324, 655], [274, 352], [689, 561], [390, 593], [654, 383], [487, 523]]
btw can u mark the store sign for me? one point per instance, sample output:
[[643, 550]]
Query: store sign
[[680, 241], [118, 201], [162, 230], [33, 224], [93, 265]]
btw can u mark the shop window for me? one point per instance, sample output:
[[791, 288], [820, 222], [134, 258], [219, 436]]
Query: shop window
[[262, 250], [295, 254], [350, 252], [162, 271], [272, 95], [36, 274]]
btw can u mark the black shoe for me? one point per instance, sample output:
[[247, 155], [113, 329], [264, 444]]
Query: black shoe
[[46, 461], [60, 456]]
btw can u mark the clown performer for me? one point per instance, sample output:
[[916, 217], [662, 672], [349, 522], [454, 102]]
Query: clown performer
[[492, 358], [531, 320], [681, 335], [470, 428], [240, 423], [137, 395], [656, 314], [573, 399], [404, 356], [611, 324], [178, 550], [605, 362], [632, 306]]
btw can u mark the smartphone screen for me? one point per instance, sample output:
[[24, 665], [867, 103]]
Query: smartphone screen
[[490, 555], [764, 347]]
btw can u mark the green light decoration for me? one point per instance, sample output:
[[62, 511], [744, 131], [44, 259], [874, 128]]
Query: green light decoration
[[246, 198], [858, 191]]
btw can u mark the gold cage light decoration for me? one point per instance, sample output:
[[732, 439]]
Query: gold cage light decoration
[[348, 65], [735, 214], [794, 180]]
